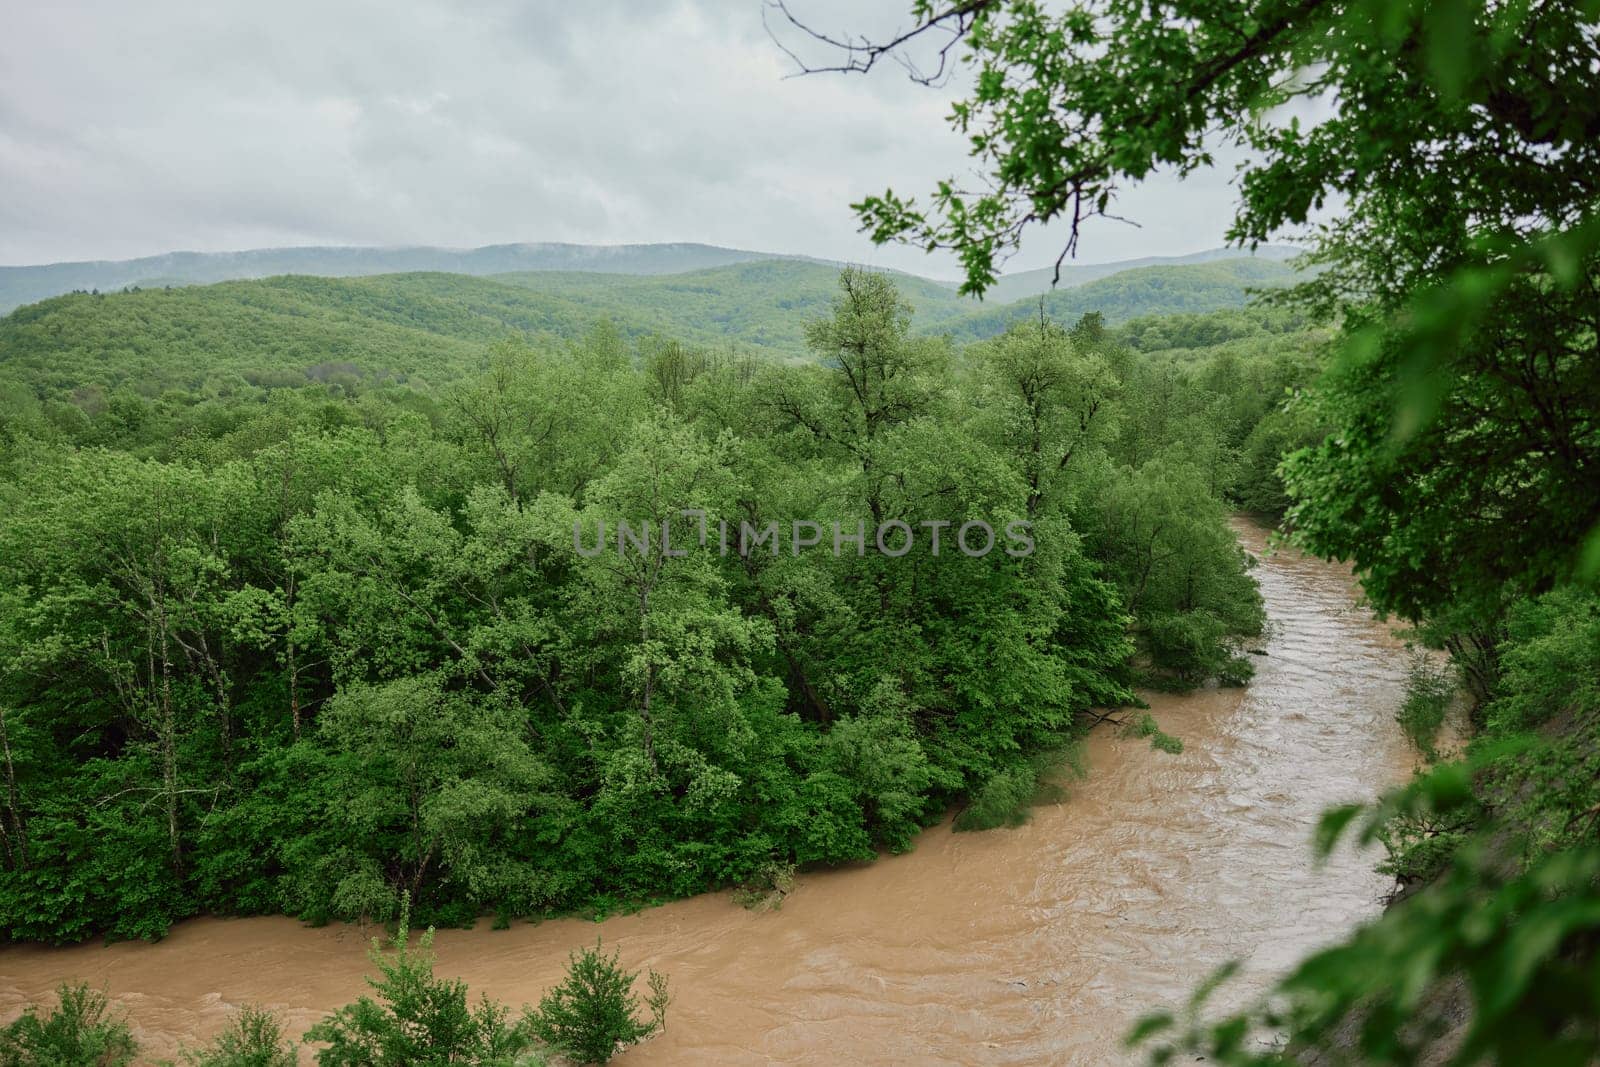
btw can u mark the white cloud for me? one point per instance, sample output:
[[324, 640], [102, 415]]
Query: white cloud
[[132, 129]]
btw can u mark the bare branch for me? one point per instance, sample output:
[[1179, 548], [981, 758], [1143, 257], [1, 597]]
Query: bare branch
[[862, 54]]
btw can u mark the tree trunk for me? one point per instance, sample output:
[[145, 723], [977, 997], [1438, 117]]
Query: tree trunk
[[293, 661], [649, 676], [13, 828], [167, 737]]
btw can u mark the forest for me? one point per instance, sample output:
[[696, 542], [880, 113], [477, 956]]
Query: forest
[[293, 616], [308, 648], [1439, 158], [430, 328]]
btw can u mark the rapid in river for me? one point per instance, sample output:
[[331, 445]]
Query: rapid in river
[[1036, 945]]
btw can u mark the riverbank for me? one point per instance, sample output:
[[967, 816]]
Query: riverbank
[[1039, 944]]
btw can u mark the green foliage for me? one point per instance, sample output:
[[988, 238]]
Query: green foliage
[[1420, 847], [252, 1038], [78, 1033], [1144, 725], [1235, 671], [1550, 690], [1167, 545], [315, 653], [1549, 662], [1190, 646], [658, 1000], [1430, 687], [422, 779], [1008, 796], [127, 366], [416, 1018], [766, 891], [1188, 290], [594, 1010], [1003, 800]]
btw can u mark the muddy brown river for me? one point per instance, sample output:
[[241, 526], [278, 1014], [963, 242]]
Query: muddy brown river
[[1028, 946]]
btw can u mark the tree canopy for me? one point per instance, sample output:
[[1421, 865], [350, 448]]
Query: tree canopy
[[1440, 158]]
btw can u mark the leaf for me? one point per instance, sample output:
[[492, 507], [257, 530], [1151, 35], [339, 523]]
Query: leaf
[[1332, 825], [1147, 1027], [1447, 32]]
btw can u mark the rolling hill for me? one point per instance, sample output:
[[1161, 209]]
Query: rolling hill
[[27, 284], [433, 327], [1129, 294], [24, 285], [1033, 283], [765, 304]]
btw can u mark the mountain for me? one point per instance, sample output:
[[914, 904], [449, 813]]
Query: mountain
[[765, 304], [1163, 290], [431, 326], [24, 285], [1023, 284], [435, 327]]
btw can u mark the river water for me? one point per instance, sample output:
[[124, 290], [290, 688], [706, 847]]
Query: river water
[[1036, 945]]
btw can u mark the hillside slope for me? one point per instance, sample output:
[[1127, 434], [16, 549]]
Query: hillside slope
[[1034, 283], [1163, 290], [435, 326], [21, 285], [765, 304], [24, 285]]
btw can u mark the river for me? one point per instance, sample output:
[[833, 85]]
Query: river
[[1036, 945]]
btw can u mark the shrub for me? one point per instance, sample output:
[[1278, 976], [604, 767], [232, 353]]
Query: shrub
[[417, 1019], [660, 996], [765, 892], [1429, 690], [1421, 845], [1236, 671], [253, 1038], [595, 1010], [1001, 801], [1145, 725], [1190, 647], [76, 1034]]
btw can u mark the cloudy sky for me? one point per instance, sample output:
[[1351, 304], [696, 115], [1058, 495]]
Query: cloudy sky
[[130, 129]]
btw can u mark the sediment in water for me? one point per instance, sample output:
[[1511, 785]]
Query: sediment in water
[[1033, 945]]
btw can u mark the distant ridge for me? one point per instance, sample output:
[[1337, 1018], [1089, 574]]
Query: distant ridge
[[436, 327], [1028, 283], [28, 284]]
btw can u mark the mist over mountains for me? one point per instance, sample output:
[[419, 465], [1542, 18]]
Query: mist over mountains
[[21, 285]]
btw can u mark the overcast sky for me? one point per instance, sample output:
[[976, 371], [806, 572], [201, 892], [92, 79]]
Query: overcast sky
[[128, 129]]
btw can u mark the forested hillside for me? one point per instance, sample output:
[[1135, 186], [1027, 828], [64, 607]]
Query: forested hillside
[[281, 332], [1022, 285], [763, 305], [1141, 291], [311, 647], [25, 285]]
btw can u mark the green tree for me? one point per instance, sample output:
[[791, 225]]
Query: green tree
[[416, 1018], [595, 1010], [1457, 473], [78, 1033], [426, 792], [1047, 397], [252, 1038]]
